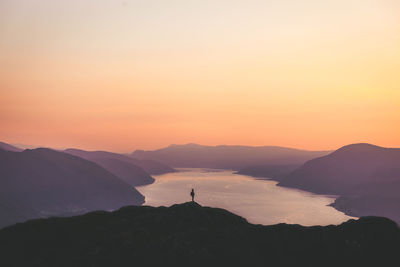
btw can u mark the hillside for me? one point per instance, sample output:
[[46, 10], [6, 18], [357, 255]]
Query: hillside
[[367, 178], [276, 172], [106, 159], [43, 182], [227, 157], [191, 235], [119, 165], [9, 147]]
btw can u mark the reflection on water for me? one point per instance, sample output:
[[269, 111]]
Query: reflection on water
[[259, 201]]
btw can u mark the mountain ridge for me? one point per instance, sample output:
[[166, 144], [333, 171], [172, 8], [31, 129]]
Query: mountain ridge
[[44, 182], [119, 165], [149, 166], [226, 157], [9, 147], [366, 178]]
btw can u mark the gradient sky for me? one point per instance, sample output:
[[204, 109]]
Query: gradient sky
[[125, 75]]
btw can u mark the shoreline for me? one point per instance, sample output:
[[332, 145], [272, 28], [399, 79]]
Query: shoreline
[[334, 205]]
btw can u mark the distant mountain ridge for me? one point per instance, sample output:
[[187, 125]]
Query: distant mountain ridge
[[43, 182], [367, 178], [191, 235], [9, 147], [275, 172], [227, 157]]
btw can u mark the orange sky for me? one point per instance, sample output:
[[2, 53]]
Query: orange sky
[[102, 74]]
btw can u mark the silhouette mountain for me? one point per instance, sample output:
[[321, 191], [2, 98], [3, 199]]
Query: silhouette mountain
[[140, 169], [117, 164], [276, 172], [191, 235], [227, 157], [367, 178], [43, 182], [9, 147]]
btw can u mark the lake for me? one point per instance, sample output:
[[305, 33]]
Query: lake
[[260, 201]]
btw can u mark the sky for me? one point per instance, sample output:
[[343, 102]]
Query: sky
[[125, 75]]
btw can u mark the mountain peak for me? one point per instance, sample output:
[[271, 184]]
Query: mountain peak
[[359, 147]]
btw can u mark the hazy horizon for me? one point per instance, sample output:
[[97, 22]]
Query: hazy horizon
[[30, 146]]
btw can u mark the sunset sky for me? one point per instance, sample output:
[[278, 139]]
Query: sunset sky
[[125, 75]]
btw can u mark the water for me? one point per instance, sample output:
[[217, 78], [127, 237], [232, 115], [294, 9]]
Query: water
[[259, 201]]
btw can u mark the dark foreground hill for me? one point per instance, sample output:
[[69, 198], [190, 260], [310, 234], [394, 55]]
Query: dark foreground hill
[[43, 182], [366, 177], [191, 235], [227, 157]]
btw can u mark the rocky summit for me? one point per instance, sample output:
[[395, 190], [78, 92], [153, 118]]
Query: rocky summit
[[191, 235]]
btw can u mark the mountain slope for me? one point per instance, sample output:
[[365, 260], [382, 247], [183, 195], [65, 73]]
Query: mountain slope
[[149, 166], [227, 157], [44, 182], [367, 178], [191, 235], [276, 172], [9, 147], [117, 164]]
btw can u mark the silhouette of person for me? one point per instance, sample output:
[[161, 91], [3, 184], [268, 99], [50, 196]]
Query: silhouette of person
[[192, 194]]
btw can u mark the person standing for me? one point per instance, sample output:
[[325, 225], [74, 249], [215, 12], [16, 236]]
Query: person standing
[[192, 194]]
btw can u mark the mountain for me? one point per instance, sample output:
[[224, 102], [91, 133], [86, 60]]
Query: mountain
[[148, 166], [367, 178], [43, 182], [117, 164], [153, 167], [191, 235], [227, 157], [276, 172], [9, 147]]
